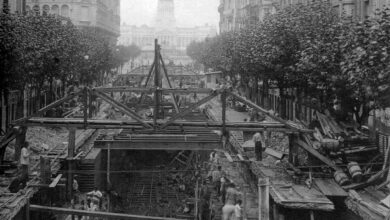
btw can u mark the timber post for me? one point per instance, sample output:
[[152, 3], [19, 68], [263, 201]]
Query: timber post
[[85, 105], [108, 174], [264, 198], [291, 140], [27, 214], [156, 82], [90, 105], [71, 149]]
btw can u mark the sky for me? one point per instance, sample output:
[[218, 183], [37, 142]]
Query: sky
[[189, 13]]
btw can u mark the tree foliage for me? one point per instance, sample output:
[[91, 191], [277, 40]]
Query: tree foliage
[[309, 49], [39, 49]]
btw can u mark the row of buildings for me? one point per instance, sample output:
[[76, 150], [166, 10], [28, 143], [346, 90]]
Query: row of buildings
[[235, 14], [101, 15]]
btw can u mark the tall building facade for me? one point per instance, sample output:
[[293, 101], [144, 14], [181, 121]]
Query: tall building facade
[[103, 15], [14, 6], [235, 14], [174, 40]]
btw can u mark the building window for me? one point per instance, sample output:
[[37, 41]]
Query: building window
[[208, 78], [55, 10], [36, 9], [45, 10], [65, 11], [85, 13]]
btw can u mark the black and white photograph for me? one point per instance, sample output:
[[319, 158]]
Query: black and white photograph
[[194, 109]]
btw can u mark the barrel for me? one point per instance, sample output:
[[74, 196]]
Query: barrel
[[330, 145], [341, 178], [355, 171]]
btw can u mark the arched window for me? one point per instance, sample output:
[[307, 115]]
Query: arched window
[[55, 10], [45, 10], [28, 8], [65, 10], [36, 9]]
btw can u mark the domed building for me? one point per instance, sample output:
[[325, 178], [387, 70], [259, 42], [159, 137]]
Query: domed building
[[174, 40]]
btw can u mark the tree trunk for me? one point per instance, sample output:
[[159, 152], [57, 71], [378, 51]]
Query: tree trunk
[[256, 90], [264, 95], [282, 104], [51, 92]]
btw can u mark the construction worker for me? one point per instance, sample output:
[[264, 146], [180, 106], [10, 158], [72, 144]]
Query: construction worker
[[258, 140], [95, 196], [238, 210], [230, 203], [24, 162], [216, 179]]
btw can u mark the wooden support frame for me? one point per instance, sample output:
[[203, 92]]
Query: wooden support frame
[[108, 124], [189, 109], [147, 80], [122, 108], [157, 84], [108, 215], [258, 108], [170, 85], [57, 103], [316, 154]]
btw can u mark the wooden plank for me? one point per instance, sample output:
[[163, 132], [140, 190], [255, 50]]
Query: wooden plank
[[330, 188], [122, 108], [240, 157], [274, 153], [230, 159], [264, 198], [93, 214], [316, 154], [55, 181], [207, 146]]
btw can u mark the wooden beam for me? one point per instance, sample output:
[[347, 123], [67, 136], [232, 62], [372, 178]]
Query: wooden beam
[[55, 181], [122, 108], [125, 89], [115, 124], [56, 103], [71, 150], [264, 198], [316, 154], [258, 108], [274, 153], [189, 109], [126, 145], [157, 83], [109, 215]]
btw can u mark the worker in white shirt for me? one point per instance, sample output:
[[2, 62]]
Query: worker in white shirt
[[24, 162], [238, 210], [95, 195]]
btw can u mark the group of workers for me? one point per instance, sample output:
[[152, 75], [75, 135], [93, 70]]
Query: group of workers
[[227, 191]]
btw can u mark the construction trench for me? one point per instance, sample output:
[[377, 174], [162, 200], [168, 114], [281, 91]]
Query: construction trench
[[147, 149]]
